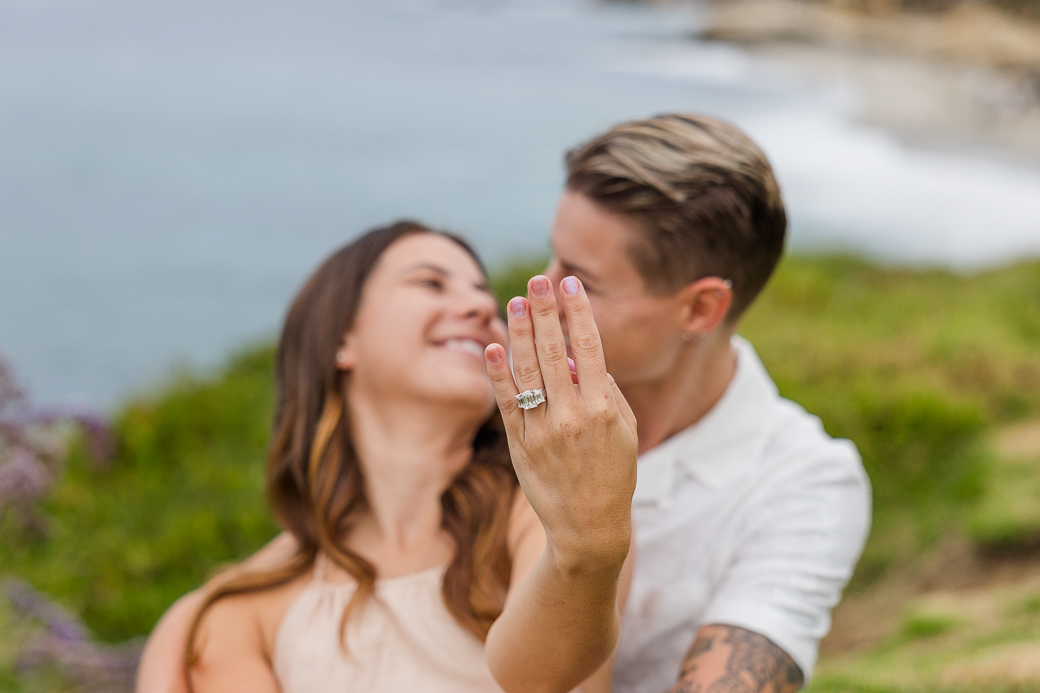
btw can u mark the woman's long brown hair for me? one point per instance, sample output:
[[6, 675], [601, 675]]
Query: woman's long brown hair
[[315, 485]]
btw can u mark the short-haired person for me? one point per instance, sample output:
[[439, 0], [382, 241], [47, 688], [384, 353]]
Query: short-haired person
[[749, 518]]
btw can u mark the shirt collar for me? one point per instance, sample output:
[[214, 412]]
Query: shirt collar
[[720, 446]]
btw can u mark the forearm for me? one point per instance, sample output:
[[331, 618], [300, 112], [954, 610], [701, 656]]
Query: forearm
[[727, 659], [575, 458], [558, 626]]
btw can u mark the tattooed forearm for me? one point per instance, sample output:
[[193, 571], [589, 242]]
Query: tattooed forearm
[[700, 646], [727, 659]]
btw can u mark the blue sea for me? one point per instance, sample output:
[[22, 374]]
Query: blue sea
[[171, 171]]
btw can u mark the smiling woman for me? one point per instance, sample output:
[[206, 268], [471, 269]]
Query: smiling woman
[[410, 559]]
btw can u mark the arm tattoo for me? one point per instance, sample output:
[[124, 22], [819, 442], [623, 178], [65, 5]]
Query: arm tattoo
[[727, 659]]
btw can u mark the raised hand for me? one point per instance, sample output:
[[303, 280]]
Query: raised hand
[[575, 454]]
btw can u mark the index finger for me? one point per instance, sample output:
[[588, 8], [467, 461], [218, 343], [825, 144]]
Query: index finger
[[585, 341]]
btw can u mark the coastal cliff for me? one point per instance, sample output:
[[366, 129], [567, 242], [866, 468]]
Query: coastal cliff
[[941, 73]]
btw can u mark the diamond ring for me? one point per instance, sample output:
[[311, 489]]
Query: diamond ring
[[529, 399]]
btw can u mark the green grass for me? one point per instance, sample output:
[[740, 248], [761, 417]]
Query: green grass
[[918, 624], [920, 368]]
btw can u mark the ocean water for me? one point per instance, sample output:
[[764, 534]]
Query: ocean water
[[171, 171]]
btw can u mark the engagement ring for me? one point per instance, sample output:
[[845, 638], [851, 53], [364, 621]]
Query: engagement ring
[[529, 399]]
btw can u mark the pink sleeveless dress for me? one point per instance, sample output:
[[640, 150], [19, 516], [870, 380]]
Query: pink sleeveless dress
[[403, 640]]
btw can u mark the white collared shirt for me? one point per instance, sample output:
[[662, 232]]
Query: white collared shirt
[[751, 517]]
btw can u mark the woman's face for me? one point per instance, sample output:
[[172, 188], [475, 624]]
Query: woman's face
[[425, 317]]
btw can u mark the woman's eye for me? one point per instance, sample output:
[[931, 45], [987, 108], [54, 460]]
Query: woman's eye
[[432, 283]]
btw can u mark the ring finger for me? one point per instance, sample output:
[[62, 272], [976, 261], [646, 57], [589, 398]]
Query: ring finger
[[526, 371]]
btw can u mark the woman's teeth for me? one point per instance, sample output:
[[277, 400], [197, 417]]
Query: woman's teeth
[[466, 346]]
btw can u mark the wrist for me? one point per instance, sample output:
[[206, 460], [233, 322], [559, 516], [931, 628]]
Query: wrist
[[587, 554]]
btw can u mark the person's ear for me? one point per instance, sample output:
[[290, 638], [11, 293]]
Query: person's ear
[[345, 358], [706, 303]]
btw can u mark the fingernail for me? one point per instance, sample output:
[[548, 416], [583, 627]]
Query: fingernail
[[570, 285], [539, 287], [570, 363], [493, 354], [518, 307]]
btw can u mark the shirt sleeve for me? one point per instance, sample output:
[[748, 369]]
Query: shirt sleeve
[[799, 545]]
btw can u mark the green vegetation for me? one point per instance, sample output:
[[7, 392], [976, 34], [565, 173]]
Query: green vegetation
[[934, 375], [978, 641], [13, 632], [183, 495], [921, 369], [922, 624]]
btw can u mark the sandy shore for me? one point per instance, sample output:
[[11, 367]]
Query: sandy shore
[[968, 77]]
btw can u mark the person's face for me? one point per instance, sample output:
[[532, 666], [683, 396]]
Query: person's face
[[425, 317], [641, 331]]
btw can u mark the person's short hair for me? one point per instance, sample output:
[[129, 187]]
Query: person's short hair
[[701, 190]]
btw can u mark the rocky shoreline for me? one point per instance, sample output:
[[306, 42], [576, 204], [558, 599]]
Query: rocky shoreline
[[965, 77]]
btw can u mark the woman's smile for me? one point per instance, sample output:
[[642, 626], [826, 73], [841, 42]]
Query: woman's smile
[[470, 346]]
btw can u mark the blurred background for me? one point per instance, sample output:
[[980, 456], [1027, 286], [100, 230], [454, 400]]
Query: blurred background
[[170, 172]]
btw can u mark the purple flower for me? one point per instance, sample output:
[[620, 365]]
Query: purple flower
[[31, 444], [59, 623], [31, 458], [63, 642], [23, 478]]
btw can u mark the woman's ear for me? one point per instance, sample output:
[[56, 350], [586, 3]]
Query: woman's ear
[[706, 304], [345, 355]]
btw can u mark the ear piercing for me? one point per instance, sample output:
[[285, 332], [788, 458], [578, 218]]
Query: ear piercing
[[726, 283], [719, 293], [341, 357]]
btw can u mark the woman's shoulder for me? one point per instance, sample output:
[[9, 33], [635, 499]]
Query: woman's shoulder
[[233, 629], [246, 621], [233, 647], [162, 663], [253, 612], [259, 612]]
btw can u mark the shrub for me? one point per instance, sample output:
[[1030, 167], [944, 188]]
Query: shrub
[[183, 494]]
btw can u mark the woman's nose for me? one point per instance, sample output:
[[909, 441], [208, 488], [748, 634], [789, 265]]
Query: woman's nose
[[480, 305]]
